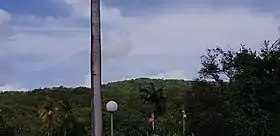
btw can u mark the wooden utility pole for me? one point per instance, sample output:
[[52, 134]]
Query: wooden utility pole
[[96, 103]]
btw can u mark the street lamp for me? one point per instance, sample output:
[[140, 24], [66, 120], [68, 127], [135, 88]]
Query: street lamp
[[112, 107], [184, 121]]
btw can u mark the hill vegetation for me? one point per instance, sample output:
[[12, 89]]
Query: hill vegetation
[[21, 110], [243, 99]]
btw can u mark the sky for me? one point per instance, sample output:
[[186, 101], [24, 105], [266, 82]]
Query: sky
[[46, 43]]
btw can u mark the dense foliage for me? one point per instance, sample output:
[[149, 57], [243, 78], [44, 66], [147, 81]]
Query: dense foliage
[[248, 102], [60, 110], [236, 94]]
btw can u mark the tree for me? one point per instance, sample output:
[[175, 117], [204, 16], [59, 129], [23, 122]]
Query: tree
[[206, 116], [65, 117], [67, 124], [155, 98], [5, 129], [47, 115], [248, 86]]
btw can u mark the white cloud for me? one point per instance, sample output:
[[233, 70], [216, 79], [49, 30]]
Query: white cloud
[[81, 7], [174, 74], [199, 28], [4, 17], [55, 38], [5, 35], [5, 32], [185, 31], [191, 29], [87, 81], [116, 44], [9, 87]]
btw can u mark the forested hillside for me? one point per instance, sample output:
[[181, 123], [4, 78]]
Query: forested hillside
[[21, 109]]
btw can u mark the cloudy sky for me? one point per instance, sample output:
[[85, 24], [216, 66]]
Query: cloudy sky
[[45, 43]]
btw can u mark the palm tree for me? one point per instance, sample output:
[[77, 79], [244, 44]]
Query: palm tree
[[155, 98], [47, 115], [65, 118]]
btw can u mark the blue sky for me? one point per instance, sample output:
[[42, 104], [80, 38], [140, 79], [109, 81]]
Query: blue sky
[[46, 43]]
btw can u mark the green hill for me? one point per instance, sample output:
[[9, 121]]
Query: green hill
[[22, 108]]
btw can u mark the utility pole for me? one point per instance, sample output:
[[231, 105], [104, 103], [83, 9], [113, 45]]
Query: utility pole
[[95, 67]]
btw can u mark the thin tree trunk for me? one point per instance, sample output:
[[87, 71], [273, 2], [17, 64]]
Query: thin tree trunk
[[96, 105], [49, 128]]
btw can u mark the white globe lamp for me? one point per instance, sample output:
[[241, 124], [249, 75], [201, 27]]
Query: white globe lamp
[[112, 106]]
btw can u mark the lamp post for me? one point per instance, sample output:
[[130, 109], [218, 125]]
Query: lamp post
[[112, 107], [184, 121]]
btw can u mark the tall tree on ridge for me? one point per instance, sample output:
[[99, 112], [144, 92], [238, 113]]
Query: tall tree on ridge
[[47, 115]]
